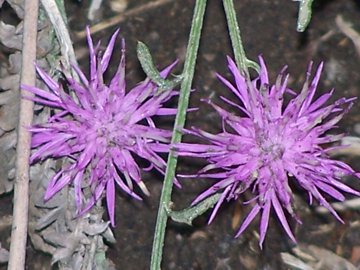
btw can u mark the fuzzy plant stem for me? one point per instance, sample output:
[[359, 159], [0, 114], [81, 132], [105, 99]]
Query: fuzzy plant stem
[[21, 185], [240, 58], [59, 23], [188, 74]]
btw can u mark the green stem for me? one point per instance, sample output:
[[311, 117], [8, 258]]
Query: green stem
[[240, 58], [188, 74]]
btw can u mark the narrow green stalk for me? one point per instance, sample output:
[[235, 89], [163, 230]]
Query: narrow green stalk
[[188, 74], [240, 58]]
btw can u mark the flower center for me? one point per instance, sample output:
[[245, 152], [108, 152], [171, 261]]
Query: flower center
[[270, 146]]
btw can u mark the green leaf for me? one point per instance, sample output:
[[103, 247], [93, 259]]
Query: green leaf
[[304, 16], [151, 71], [189, 214]]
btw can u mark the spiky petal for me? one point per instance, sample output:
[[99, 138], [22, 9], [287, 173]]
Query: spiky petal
[[101, 129], [272, 144]]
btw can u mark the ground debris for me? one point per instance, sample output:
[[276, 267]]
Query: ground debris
[[351, 147], [347, 29], [4, 255], [315, 258]]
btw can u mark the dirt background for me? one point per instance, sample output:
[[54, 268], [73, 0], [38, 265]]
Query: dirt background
[[268, 28]]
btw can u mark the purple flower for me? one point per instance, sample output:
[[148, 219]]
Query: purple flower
[[101, 129], [271, 144]]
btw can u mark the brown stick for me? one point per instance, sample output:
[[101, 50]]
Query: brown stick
[[21, 185], [119, 18]]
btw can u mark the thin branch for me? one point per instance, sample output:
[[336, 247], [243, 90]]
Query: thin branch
[[94, 7], [353, 204], [234, 30], [347, 29], [121, 17], [21, 185]]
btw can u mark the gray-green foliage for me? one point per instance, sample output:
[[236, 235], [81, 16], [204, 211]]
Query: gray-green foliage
[[151, 71], [304, 16]]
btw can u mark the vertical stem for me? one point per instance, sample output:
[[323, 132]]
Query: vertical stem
[[234, 30], [188, 73], [58, 21], [21, 185]]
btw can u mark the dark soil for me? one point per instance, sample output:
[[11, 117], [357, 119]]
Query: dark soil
[[268, 28]]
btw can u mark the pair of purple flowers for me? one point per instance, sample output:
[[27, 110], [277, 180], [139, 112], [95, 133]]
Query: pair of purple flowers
[[102, 129]]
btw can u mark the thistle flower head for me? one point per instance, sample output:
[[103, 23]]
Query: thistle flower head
[[101, 129], [271, 144]]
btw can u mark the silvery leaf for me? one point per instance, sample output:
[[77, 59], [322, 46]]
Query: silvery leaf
[[61, 254], [9, 115], [57, 201], [329, 260], [9, 37], [109, 236], [7, 96], [49, 218], [77, 261], [4, 255], [15, 63], [58, 239], [10, 82], [294, 263], [96, 228], [18, 7]]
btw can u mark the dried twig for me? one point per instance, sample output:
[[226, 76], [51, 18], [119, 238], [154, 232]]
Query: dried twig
[[21, 186], [121, 17], [316, 43], [94, 7], [351, 147], [347, 29], [341, 206]]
